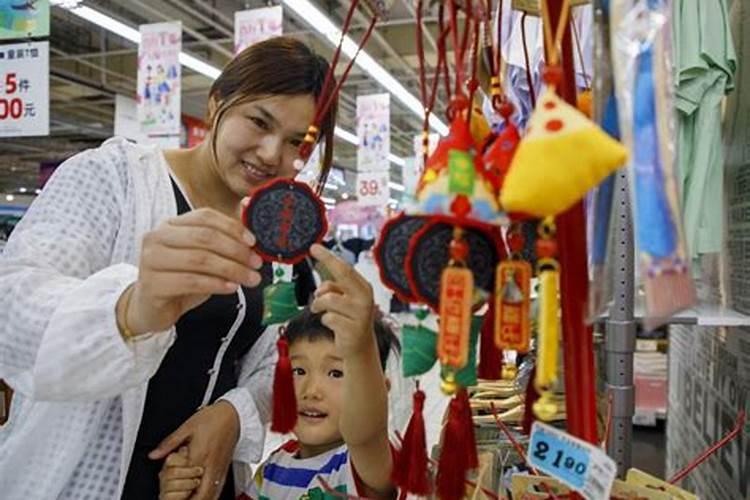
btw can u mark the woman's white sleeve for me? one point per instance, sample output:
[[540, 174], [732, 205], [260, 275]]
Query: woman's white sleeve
[[58, 335], [252, 396]]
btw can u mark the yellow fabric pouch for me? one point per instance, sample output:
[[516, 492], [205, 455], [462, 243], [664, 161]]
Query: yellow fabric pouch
[[562, 157]]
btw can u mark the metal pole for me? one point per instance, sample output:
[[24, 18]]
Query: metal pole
[[620, 336]]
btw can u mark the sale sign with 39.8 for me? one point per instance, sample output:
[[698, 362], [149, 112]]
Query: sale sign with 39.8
[[372, 189], [24, 89], [572, 461]]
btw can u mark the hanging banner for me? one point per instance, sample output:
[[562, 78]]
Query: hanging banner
[[255, 25], [24, 19], [373, 132], [24, 89], [372, 188], [159, 75]]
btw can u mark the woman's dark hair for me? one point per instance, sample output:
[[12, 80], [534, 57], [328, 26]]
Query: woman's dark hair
[[277, 66], [307, 325]]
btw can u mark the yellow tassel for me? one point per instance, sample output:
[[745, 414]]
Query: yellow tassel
[[549, 328], [548, 337]]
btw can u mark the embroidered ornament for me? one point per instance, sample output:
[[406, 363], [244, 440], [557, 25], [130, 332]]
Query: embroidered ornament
[[563, 156], [286, 218], [390, 253]]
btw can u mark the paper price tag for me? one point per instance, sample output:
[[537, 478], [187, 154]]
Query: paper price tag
[[572, 461]]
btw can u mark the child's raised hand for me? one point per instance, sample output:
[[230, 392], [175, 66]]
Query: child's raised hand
[[346, 303], [177, 479]]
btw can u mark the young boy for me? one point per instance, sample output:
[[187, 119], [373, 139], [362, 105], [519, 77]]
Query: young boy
[[338, 352]]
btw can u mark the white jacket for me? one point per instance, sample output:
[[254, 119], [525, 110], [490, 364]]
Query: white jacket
[[80, 388]]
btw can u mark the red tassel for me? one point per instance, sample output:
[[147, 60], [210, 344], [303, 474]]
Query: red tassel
[[490, 356], [470, 443], [410, 473], [458, 453], [284, 400]]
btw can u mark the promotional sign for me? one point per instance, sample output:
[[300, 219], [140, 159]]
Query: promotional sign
[[159, 75], [572, 461], [24, 19], [255, 25], [373, 132], [24, 89], [372, 188]]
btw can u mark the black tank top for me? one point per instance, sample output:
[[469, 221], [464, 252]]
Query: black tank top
[[177, 389]]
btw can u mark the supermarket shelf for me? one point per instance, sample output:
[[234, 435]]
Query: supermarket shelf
[[701, 315]]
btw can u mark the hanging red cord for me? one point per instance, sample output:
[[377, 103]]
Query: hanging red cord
[[739, 424], [349, 66], [473, 83], [442, 49]]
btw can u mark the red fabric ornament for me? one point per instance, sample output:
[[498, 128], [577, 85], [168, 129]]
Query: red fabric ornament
[[498, 157], [410, 472], [284, 416]]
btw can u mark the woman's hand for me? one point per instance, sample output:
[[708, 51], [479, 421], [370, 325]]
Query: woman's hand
[[183, 262], [210, 435]]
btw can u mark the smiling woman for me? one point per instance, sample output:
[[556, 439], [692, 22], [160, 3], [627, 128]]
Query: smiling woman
[[136, 297]]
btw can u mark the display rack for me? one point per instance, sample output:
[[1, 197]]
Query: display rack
[[619, 344]]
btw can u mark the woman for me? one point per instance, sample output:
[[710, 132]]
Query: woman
[[131, 299]]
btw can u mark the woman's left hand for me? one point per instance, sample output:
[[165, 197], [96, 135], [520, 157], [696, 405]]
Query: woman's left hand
[[211, 435]]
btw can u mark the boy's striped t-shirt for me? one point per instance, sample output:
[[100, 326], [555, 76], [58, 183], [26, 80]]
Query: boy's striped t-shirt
[[285, 476]]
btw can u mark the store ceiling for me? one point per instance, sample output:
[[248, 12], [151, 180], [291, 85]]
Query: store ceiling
[[89, 66]]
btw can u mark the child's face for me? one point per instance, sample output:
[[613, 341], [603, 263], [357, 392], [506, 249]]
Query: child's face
[[318, 384]]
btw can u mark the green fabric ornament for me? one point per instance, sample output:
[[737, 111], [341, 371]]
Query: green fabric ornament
[[279, 301], [420, 352], [419, 349]]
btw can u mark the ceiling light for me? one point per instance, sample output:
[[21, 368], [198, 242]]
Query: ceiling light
[[320, 22], [9, 197], [395, 159], [22, 190], [344, 196], [329, 201], [346, 135], [393, 202], [332, 187], [395, 186], [38, 191], [212, 72]]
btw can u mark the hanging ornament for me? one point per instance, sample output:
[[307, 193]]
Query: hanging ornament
[[390, 253], [419, 348], [410, 471], [429, 253], [456, 299], [564, 154], [548, 269], [279, 300], [284, 404], [286, 216], [498, 157], [513, 297]]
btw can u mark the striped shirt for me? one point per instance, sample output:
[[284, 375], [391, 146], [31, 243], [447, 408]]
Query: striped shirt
[[286, 476]]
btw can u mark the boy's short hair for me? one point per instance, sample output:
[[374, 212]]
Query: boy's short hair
[[307, 325]]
